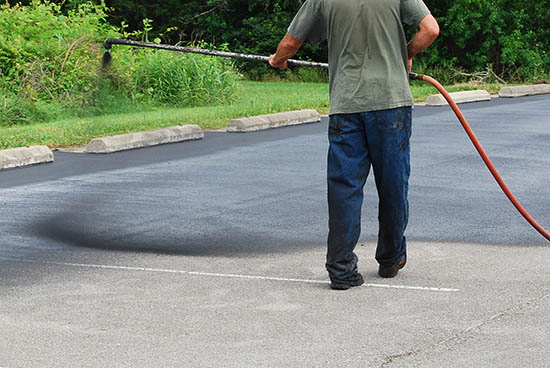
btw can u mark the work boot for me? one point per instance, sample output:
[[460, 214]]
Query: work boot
[[391, 271], [356, 280]]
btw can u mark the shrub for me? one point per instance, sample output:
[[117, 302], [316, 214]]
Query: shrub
[[508, 36], [45, 54], [184, 80], [50, 61]]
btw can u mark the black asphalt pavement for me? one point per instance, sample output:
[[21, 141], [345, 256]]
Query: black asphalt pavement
[[210, 253]]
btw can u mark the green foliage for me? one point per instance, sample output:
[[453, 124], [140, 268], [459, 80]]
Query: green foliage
[[164, 77], [16, 110], [50, 59], [510, 37], [253, 27], [45, 54]]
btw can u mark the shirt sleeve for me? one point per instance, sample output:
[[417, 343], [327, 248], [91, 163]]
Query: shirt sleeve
[[413, 11], [308, 24]]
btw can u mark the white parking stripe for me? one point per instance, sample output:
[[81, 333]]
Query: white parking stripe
[[210, 274]]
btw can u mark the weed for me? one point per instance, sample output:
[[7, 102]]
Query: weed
[[50, 66]]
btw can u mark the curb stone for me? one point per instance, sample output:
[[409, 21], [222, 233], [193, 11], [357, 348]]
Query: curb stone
[[459, 97], [262, 122], [527, 90], [24, 156], [144, 139]]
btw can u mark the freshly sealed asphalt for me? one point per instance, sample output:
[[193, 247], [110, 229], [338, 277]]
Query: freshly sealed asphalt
[[211, 253]]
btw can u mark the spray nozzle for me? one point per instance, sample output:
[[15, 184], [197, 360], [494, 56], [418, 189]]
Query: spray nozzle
[[107, 58], [414, 76]]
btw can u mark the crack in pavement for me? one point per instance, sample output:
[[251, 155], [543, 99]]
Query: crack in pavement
[[462, 335]]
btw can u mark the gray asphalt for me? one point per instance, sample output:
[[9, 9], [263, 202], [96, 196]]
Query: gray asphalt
[[211, 254]]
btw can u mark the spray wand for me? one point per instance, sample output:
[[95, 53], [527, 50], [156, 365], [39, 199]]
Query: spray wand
[[109, 42], [107, 59]]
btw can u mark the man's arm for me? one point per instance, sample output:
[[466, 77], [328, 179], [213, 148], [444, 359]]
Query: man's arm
[[286, 49], [426, 35]]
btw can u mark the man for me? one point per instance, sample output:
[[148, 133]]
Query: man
[[370, 118]]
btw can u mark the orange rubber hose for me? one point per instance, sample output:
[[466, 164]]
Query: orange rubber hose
[[482, 153]]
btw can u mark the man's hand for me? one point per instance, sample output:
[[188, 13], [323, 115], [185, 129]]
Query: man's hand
[[274, 62], [286, 49]]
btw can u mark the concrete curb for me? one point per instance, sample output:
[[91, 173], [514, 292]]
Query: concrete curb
[[459, 97], [24, 156], [528, 90], [262, 122], [144, 139]]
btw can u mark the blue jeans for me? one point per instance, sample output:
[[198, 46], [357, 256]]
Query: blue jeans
[[358, 141]]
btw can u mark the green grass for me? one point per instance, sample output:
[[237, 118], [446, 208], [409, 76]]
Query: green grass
[[421, 90], [253, 98]]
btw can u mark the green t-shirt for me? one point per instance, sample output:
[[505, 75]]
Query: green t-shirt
[[367, 49]]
